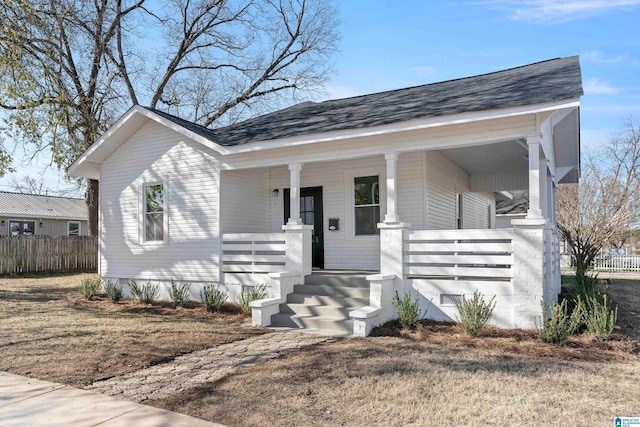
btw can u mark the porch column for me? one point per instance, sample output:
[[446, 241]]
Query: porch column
[[551, 204], [544, 196], [294, 194], [391, 217], [534, 177]]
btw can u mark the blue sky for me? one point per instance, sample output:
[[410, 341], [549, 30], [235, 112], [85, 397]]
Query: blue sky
[[392, 44]]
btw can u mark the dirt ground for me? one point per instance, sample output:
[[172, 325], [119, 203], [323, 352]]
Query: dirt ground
[[387, 381], [48, 331], [436, 375], [626, 294]]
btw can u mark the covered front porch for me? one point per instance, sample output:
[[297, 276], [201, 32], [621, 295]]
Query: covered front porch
[[425, 226]]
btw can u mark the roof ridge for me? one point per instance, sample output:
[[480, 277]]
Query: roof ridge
[[447, 81]]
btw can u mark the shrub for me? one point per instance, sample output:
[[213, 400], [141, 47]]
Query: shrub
[[146, 293], [252, 293], [90, 286], [561, 324], [113, 290], [408, 310], [179, 293], [213, 297], [600, 318], [584, 288], [475, 313]]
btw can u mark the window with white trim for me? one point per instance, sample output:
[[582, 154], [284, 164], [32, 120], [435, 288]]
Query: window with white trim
[[366, 191], [153, 212], [73, 228]]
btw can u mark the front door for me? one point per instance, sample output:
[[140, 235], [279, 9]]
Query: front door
[[311, 214]]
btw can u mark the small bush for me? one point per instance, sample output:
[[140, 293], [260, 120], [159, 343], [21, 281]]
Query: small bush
[[213, 297], [179, 293], [600, 318], [557, 329], [146, 293], [252, 293], [584, 288], [90, 286], [408, 310], [113, 290], [475, 313]]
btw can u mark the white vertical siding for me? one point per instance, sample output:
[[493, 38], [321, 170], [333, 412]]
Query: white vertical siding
[[245, 201], [190, 172]]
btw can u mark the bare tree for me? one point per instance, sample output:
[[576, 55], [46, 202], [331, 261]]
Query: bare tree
[[69, 68], [600, 210], [30, 185]]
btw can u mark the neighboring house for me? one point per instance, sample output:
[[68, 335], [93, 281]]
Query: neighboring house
[[29, 214], [511, 205], [400, 184]]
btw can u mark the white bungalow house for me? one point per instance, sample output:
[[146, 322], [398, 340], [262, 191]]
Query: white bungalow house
[[339, 204]]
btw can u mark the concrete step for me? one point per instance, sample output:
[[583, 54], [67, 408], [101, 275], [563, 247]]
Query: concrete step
[[313, 322], [316, 300], [317, 310], [339, 278], [332, 291], [323, 302]]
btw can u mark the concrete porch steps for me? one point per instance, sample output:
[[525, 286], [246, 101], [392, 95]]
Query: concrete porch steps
[[323, 302]]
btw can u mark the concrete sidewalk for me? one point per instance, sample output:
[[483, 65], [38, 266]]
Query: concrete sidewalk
[[29, 402]]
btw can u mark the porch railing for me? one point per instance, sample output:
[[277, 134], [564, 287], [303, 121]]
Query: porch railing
[[459, 254], [253, 253], [617, 263]]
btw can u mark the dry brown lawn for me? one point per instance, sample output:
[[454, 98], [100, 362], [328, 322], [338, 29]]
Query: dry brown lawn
[[437, 376], [48, 331], [387, 381], [433, 376]]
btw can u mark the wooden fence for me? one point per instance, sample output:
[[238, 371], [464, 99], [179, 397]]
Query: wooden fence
[[51, 254]]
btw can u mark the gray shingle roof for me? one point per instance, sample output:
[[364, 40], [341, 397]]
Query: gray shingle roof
[[29, 205], [546, 81]]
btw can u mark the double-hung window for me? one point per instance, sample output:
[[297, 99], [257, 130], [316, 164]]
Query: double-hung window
[[154, 212], [366, 205]]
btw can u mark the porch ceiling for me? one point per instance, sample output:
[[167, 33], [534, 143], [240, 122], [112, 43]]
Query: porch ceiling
[[509, 156]]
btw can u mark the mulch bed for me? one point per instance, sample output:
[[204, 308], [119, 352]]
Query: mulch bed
[[191, 309], [584, 347]]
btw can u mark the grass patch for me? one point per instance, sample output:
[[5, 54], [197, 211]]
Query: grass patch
[[46, 329], [399, 382]]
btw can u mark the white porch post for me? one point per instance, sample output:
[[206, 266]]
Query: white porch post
[[533, 143], [544, 178], [391, 217], [294, 193], [530, 277], [390, 280], [297, 235]]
